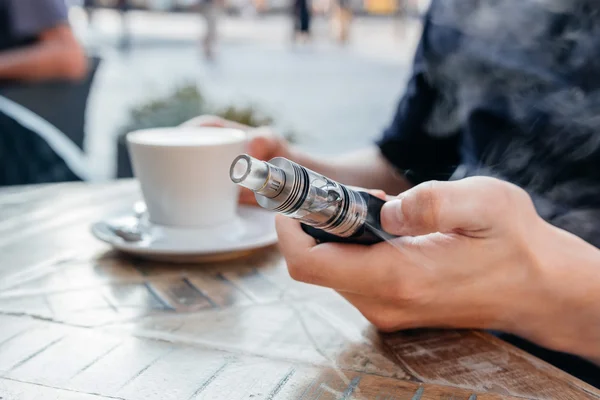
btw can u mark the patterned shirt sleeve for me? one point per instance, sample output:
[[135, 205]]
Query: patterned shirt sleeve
[[406, 143]]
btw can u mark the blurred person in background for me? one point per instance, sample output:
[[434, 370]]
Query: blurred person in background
[[500, 88], [260, 5], [36, 45], [124, 6], [302, 17], [36, 42], [210, 10], [342, 19]]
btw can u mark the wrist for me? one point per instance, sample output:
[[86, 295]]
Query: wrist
[[562, 307]]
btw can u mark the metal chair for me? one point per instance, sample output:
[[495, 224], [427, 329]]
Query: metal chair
[[61, 103], [42, 131]]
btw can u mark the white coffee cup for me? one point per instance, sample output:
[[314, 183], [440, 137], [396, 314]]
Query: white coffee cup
[[184, 174]]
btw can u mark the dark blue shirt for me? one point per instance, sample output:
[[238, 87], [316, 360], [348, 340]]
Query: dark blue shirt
[[22, 21], [510, 89]]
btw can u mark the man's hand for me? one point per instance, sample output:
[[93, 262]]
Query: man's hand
[[473, 254], [263, 143]]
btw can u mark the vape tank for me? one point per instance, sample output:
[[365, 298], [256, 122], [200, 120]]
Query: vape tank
[[329, 211]]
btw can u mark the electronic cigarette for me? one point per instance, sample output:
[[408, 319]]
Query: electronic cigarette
[[329, 211]]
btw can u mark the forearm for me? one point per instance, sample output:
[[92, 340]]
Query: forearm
[[365, 168], [566, 316], [60, 56], [37, 63]]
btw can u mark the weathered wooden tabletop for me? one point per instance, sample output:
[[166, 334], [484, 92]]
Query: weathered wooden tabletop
[[78, 321]]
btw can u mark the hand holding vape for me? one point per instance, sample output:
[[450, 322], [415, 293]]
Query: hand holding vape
[[329, 211]]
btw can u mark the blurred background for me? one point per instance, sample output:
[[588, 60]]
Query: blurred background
[[329, 89]]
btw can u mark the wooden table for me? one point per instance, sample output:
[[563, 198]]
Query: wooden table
[[78, 321]]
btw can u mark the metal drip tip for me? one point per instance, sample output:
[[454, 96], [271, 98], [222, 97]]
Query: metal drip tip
[[259, 176], [288, 188]]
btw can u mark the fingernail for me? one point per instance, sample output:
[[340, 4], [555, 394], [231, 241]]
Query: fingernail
[[392, 217]]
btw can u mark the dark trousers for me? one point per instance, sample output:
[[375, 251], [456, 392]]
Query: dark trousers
[[302, 16]]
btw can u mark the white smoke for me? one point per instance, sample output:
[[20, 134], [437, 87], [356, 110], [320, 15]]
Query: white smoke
[[539, 61]]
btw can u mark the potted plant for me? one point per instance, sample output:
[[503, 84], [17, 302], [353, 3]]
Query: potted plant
[[182, 104]]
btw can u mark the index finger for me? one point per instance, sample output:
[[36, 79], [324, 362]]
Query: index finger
[[366, 270], [293, 241]]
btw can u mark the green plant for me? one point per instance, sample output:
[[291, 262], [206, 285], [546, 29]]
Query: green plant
[[187, 102], [184, 103], [247, 116]]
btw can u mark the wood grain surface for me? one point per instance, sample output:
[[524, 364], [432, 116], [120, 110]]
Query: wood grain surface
[[79, 321]]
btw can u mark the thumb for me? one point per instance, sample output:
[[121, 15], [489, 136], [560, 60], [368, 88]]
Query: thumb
[[471, 206]]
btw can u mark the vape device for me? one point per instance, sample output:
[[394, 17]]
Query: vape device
[[329, 211]]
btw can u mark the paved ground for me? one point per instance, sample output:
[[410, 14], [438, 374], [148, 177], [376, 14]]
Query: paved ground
[[335, 98]]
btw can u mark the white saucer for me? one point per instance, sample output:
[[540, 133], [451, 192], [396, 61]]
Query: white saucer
[[253, 229]]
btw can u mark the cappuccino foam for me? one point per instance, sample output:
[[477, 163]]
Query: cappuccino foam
[[186, 136]]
